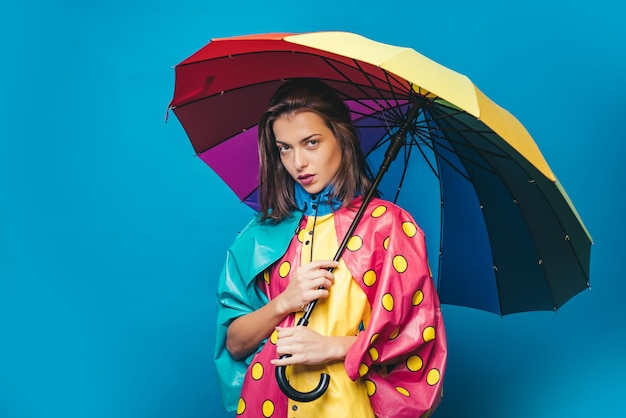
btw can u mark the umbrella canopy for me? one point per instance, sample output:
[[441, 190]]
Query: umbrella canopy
[[511, 240]]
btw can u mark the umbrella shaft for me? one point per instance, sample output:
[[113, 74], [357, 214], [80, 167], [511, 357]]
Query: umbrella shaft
[[392, 152]]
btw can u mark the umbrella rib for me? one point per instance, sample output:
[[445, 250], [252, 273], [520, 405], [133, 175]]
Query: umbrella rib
[[432, 133], [391, 89], [442, 116], [367, 76], [421, 150], [466, 143], [439, 115], [359, 87], [461, 157], [444, 159], [440, 230], [348, 81], [381, 142], [426, 140], [407, 156], [436, 116]]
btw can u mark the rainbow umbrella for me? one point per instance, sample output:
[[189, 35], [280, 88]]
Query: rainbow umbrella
[[511, 240]]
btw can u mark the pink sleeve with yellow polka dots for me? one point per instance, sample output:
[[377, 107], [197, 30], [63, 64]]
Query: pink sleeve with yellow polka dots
[[401, 354]]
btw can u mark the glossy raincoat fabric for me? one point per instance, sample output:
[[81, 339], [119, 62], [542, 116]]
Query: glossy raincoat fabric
[[400, 355]]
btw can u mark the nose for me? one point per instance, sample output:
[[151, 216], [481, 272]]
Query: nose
[[299, 159]]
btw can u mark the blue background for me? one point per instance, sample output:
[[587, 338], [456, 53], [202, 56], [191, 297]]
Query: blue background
[[112, 232]]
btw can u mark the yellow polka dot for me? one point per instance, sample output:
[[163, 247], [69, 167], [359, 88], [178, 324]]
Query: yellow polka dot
[[387, 301], [302, 235], [268, 408], [274, 337], [354, 243], [418, 297], [241, 406], [414, 363], [433, 376], [394, 334], [257, 371], [369, 278], [409, 229], [428, 334], [400, 264], [370, 387], [386, 243], [373, 353], [379, 211], [284, 269], [363, 369], [374, 338], [403, 391], [266, 276]]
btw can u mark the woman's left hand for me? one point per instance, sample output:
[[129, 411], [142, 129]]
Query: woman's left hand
[[306, 346]]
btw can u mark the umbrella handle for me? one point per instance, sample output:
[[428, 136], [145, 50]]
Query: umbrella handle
[[296, 395], [281, 371]]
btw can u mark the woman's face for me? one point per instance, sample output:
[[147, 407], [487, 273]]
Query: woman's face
[[308, 149]]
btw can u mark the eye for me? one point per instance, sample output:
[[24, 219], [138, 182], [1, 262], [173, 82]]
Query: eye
[[282, 148], [312, 142]]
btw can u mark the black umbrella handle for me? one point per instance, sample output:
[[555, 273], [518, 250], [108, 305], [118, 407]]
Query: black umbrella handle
[[296, 395], [281, 371], [390, 154]]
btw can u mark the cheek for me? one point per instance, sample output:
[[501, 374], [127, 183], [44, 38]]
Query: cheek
[[285, 162], [336, 161]]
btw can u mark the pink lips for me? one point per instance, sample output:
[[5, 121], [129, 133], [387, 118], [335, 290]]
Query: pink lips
[[306, 179]]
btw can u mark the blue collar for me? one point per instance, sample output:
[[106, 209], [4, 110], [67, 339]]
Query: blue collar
[[317, 204]]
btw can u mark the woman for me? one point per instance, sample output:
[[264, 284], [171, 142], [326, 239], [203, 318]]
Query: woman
[[377, 329]]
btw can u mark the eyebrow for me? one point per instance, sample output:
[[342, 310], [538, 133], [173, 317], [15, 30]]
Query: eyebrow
[[306, 138]]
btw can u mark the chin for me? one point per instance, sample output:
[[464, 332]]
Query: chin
[[310, 189]]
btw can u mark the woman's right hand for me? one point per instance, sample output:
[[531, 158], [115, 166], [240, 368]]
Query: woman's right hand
[[308, 283]]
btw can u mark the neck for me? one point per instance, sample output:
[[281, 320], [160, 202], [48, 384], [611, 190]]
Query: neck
[[317, 204]]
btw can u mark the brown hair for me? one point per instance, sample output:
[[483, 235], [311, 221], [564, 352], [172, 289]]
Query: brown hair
[[276, 187]]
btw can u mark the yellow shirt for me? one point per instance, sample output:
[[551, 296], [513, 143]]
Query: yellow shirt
[[341, 314]]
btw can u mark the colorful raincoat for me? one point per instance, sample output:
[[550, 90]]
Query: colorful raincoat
[[400, 354]]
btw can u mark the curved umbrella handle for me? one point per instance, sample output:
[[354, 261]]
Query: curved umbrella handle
[[281, 371], [296, 395]]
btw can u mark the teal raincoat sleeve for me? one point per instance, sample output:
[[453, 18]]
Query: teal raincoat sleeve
[[255, 249]]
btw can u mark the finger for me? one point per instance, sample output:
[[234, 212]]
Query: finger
[[284, 332], [285, 361], [315, 294], [315, 284], [324, 282], [282, 349], [325, 274], [322, 264], [288, 349]]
